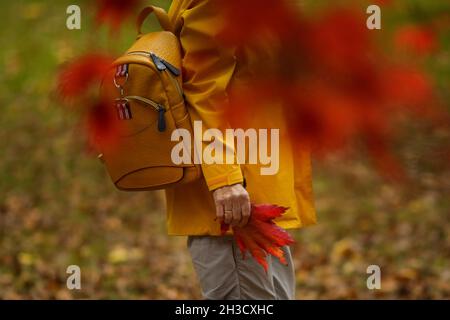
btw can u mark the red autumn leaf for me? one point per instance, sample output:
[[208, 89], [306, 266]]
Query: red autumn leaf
[[261, 236], [77, 77], [383, 159], [103, 126], [256, 17], [417, 39], [338, 49], [383, 2], [267, 212], [80, 78], [115, 12], [407, 86], [323, 116]]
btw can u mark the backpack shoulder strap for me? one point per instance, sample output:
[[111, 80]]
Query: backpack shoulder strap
[[160, 14]]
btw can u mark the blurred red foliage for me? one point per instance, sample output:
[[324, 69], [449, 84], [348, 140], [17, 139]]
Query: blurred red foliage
[[416, 39], [115, 12], [102, 125], [327, 70], [77, 77], [76, 81], [277, 17], [330, 75]]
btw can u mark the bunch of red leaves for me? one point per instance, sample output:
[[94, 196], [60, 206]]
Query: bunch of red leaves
[[261, 236]]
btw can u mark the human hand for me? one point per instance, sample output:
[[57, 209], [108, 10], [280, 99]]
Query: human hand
[[232, 205]]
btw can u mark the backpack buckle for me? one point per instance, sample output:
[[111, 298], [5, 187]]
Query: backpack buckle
[[123, 109], [121, 73]]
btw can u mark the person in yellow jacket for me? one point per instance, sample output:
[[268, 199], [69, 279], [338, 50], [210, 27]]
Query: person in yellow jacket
[[195, 210]]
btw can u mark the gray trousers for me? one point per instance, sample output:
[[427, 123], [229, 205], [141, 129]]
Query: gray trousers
[[225, 275]]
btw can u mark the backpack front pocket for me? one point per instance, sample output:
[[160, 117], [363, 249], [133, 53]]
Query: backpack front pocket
[[144, 111], [138, 105]]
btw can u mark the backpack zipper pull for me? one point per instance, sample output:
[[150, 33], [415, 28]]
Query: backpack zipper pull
[[171, 68], [162, 64], [161, 119], [157, 61]]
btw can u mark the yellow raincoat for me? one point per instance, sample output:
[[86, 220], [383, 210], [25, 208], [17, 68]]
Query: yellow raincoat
[[208, 70]]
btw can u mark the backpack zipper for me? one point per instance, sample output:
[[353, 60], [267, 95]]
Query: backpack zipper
[[162, 65], [158, 107]]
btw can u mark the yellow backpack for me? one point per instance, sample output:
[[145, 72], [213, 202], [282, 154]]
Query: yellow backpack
[[147, 82]]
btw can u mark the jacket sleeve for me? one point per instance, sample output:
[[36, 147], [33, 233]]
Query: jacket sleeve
[[207, 71]]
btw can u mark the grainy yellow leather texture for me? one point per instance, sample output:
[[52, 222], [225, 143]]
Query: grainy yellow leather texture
[[141, 158]]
